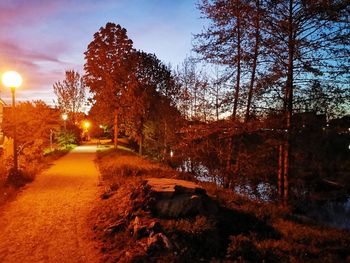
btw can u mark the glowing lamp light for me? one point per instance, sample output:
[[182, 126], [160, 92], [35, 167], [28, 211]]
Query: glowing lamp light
[[12, 79], [171, 153], [87, 124], [64, 116]]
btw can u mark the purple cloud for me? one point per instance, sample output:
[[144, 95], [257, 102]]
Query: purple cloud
[[43, 38]]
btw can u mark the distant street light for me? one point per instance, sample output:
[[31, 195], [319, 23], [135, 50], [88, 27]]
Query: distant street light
[[13, 80], [65, 117], [87, 125]]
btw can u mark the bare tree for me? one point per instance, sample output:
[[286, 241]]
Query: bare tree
[[70, 93]]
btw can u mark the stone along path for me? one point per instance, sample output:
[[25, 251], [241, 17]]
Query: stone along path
[[48, 220]]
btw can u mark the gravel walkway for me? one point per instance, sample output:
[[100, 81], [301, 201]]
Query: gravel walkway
[[48, 220]]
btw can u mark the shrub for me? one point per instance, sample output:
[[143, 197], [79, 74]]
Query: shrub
[[18, 178], [65, 139]]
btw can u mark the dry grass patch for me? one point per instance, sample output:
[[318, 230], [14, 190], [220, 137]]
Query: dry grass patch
[[117, 165]]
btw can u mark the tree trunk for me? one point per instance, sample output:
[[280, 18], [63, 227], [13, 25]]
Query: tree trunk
[[286, 168], [217, 107], [217, 96], [289, 102], [280, 172], [195, 102], [228, 164], [165, 144], [115, 129], [238, 75], [255, 58]]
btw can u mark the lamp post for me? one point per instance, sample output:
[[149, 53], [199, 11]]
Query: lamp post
[[13, 80], [87, 125], [51, 135], [65, 117]]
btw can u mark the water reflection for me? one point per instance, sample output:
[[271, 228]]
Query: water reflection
[[333, 213]]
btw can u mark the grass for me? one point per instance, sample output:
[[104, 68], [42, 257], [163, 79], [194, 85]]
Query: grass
[[116, 165], [242, 230]]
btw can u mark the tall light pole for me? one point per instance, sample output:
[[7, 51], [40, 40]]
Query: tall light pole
[[13, 80], [65, 117], [51, 135]]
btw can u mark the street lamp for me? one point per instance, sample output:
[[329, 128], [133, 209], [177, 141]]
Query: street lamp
[[13, 80], [87, 125], [65, 117]]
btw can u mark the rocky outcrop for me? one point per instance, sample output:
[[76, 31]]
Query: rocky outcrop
[[153, 204], [170, 198]]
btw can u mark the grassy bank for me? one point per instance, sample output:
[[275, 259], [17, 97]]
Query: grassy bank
[[242, 230]]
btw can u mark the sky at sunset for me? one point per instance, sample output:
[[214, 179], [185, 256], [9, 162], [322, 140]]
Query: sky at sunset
[[42, 38]]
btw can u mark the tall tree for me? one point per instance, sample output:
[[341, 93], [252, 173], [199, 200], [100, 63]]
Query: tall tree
[[193, 90], [311, 41], [256, 11], [288, 43], [108, 68], [155, 90], [229, 40], [70, 93]]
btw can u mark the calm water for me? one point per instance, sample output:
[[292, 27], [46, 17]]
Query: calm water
[[332, 213]]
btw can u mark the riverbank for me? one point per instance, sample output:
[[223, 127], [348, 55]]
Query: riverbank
[[240, 229]]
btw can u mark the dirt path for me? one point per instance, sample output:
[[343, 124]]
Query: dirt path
[[48, 220]]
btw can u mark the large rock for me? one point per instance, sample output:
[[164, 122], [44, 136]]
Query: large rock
[[169, 187], [178, 198]]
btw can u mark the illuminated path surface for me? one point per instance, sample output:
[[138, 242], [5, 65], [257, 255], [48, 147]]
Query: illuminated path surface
[[48, 220]]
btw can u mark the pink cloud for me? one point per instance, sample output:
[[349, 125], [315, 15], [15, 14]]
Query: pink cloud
[[11, 50], [38, 69], [30, 46], [23, 12]]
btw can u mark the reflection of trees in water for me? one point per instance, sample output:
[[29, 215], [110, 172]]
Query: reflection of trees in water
[[317, 155]]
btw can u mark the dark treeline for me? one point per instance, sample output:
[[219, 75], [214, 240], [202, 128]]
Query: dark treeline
[[284, 76], [264, 100]]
